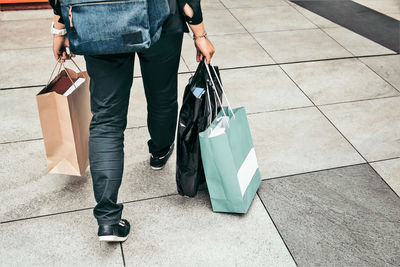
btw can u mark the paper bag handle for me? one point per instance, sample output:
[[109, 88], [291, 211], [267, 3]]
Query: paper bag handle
[[59, 70], [215, 88]]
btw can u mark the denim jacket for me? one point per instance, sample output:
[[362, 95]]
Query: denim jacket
[[174, 23]]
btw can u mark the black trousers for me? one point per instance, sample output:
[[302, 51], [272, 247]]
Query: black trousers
[[110, 85]]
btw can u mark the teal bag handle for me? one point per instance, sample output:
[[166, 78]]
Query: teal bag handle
[[214, 88]]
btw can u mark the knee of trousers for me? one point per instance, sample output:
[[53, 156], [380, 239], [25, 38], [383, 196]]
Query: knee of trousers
[[103, 124], [163, 108]]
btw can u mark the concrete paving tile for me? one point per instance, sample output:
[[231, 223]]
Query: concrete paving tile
[[233, 50], [211, 4], [299, 45], [26, 14], [389, 170], [36, 34], [371, 126], [262, 89], [177, 231], [394, 15], [139, 180], [220, 21], [62, 240], [338, 81], [316, 19], [137, 111], [382, 6], [297, 141], [253, 3], [19, 115], [355, 43], [388, 67], [29, 67], [29, 191], [342, 217], [275, 18]]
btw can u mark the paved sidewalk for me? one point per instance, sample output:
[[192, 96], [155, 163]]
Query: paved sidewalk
[[324, 108]]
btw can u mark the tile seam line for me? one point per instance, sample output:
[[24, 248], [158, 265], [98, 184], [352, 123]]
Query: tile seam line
[[358, 58], [380, 160], [277, 229], [184, 62], [290, 253], [176, 194], [188, 34], [322, 29], [348, 141], [249, 113], [248, 32], [238, 67], [314, 171], [318, 108], [397, 89], [41, 138], [326, 117], [122, 254], [21, 141], [83, 209], [384, 181], [359, 100], [323, 114], [210, 35]]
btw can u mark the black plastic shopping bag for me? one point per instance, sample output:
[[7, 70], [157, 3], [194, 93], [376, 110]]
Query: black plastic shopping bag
[[199, 108]]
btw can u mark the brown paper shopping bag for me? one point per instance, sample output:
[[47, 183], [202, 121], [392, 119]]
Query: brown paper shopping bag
[[64, 111]]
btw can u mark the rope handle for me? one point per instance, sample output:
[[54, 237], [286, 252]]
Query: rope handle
[[59, 70]]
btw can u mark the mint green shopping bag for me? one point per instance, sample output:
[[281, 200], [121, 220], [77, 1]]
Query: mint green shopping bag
[[229, 161]]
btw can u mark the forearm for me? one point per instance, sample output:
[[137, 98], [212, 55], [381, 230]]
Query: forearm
[[198, 30], [57, 24]]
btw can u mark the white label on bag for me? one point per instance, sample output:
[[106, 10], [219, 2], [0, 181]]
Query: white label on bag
[[247, 170], [74, 86]]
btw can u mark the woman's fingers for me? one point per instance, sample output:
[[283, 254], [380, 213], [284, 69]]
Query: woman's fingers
[[61, 48], [199, 56], [208, 58], [205, 48], [64, 56]]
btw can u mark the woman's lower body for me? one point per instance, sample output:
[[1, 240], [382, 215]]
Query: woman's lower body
[[110, 85]]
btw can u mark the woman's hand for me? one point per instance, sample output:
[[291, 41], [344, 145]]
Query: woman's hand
[[60, 43], [204, 49]]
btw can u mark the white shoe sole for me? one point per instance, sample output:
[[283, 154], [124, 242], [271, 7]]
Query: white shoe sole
[[112, 238], [157, 168]]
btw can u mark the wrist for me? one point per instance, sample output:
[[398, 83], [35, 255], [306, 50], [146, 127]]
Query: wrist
[[199, 36], [58, 31]]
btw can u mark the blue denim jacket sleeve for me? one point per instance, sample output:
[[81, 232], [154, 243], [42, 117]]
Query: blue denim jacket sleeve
[[197, 17]]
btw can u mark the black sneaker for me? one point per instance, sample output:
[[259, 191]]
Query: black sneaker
[[157, 163], [114, 233]]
